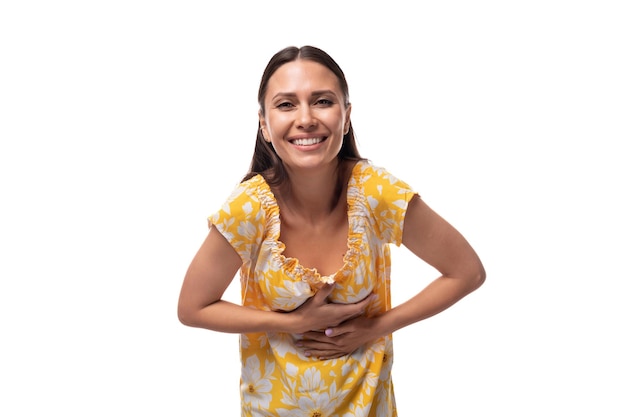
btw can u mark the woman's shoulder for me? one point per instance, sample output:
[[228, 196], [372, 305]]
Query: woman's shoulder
[[377, 194], [248, 198], [371, 175]]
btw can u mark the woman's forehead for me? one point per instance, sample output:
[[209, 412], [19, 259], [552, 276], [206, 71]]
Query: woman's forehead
[[302, 76]]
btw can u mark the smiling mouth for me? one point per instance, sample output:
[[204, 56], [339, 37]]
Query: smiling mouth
[[307, 141]]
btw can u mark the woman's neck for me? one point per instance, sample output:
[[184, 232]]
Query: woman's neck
[[314, 195]]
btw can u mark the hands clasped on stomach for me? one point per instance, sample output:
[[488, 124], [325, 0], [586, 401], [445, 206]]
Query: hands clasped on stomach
[[338, 329]]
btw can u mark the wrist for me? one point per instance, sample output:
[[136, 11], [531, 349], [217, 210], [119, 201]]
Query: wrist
[[286, 322], [378, 326]]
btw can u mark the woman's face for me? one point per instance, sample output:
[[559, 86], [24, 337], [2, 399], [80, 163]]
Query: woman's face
[[305, 117]]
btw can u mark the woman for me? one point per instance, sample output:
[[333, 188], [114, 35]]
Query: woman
[[309, 229]]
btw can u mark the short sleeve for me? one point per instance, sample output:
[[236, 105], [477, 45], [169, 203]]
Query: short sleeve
[[240, 221], [388, 199]]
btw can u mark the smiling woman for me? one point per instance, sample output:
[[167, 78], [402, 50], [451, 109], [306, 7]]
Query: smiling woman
[[309, 229], [305, 95]]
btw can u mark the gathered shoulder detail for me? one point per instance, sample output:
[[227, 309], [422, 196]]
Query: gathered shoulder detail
[[357, 217]]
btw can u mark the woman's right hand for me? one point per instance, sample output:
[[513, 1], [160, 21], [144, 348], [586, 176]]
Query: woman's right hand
[[317, 313]]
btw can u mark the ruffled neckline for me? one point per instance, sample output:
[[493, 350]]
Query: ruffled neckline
[[356, 217]]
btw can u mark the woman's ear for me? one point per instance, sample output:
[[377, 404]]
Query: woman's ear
[[263, 127], [346, 125]]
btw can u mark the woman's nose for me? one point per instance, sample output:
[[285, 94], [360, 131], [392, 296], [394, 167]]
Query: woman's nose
[[305, 118]]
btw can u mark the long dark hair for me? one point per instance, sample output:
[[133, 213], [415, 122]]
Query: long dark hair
[[265, 161]]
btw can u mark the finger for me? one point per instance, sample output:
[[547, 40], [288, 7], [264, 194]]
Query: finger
[[318, 340], [326, 357], [335, 356], [317, 336], [357, 309], [365, 302], [324, 291], [312, 345], [332, 332], [323, 354]]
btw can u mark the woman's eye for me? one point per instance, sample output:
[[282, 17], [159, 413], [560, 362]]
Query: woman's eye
[[325, 102], [284, 105]]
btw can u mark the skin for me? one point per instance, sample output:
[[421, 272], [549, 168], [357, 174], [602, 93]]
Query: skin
[[304, 100]]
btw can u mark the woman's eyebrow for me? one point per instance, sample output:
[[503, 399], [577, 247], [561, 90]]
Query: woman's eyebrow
[[313, 94]]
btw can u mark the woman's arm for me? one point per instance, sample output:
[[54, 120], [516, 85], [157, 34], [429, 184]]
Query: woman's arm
[[212, 270], [435, 241]]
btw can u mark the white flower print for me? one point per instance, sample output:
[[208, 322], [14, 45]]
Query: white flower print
[[315, 406], [290, 296], [311, 380], [282, 343], [401, 203], [349, 295], [350, 366], [360, 411], [373, 203], [247, 230], [385, 371], [385, 401], [247, 207], [256, 390], [370, 382], [244, 341], [291, 369]]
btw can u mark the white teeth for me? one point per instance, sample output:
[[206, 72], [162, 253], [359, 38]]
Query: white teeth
[[307, 142]]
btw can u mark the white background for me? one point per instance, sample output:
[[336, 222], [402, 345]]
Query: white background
[[123, 124]]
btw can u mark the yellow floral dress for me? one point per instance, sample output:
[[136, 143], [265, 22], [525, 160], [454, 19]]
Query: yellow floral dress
[[276, 378]]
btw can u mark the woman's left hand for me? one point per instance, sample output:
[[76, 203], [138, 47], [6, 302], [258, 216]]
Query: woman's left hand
[[337, 341]]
